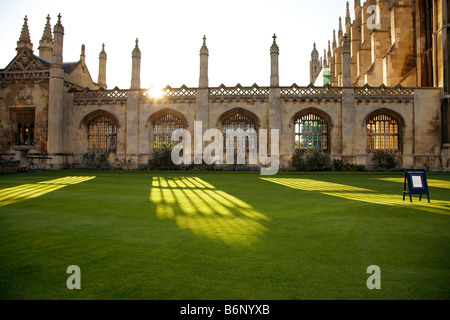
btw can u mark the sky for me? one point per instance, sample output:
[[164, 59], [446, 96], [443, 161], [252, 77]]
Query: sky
[[238, 36]]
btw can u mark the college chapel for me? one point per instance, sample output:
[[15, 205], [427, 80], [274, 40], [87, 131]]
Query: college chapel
[[383, 84]]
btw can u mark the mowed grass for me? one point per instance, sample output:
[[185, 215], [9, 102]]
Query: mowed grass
[[216, 235]]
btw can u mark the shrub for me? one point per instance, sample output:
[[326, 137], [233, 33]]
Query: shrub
[[162, 158], [298, 160], [313, 161], [340, 165], [123, 162], [385, 160], [96, 160], [318, 161]]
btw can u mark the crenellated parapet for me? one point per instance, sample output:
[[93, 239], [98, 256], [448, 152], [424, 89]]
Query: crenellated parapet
[[88, 96], [238, 93], [384, 94], [311, 93], [254, 93]]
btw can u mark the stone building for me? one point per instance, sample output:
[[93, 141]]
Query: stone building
[[394, 42], [53, 111]]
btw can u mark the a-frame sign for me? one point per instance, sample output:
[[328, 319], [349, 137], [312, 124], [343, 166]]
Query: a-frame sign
[[417, 184]]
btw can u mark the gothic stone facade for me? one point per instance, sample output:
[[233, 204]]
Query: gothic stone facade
[[57, 113], [392, 42]]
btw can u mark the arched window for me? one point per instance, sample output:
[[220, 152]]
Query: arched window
[[23, 120], [102, 134], [239, 122], [163, 126], [383, 133], [311, 131]]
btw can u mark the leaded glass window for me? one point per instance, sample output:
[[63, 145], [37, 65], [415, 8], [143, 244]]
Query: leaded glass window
[[102, 135], [163, 128], [383, 133], [239, 123], [311, 132], [23, 121]]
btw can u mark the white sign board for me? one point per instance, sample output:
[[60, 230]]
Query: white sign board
[[417, 182]]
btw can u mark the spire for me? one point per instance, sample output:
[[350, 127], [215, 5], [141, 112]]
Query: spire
[[348, 22], [204, 49], [58, 26], [24, 40], [274, 48], [25, 34], [329, 52], [347, 14], [316, 65], [346, 68], [103, 52], [46, 43], [137, 51], [47, 35], [340, 32], [334, 41], [315, 53], [358, 10], [325, 61]]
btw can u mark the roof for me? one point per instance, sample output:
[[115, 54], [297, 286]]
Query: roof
[[70, 66], [45, 63]]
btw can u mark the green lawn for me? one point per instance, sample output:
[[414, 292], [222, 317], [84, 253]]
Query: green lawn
[[217, 235]]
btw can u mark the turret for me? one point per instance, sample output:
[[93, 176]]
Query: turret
[[83, 55], [58, 35], [136, 67], [102, 68], [56, 107], [274, 53], [204, 54]]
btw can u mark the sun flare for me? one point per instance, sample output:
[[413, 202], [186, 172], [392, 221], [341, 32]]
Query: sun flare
[[156, 92]]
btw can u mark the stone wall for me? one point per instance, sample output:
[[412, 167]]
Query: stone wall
[[22, 95], [348, 110]]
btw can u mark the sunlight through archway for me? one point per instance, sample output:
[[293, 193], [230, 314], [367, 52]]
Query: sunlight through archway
[[313, 185], [196, 205], [30, 191], [366, 195], [436, 206], [431, 182]]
